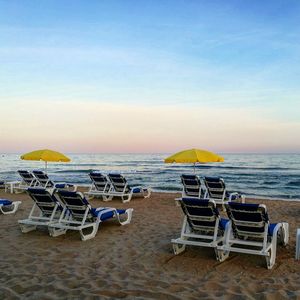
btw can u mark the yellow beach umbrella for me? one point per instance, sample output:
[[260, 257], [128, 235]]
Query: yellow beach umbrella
[[45, 155], [194, 156]]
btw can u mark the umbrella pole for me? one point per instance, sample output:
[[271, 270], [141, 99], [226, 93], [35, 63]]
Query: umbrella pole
[[194, 168], [46, 166]]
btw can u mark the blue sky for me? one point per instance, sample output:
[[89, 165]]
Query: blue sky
[[223, 55]]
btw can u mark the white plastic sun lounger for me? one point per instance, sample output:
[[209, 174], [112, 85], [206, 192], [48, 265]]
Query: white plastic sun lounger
[[28, 180], [46, 209], [249, 231], [216, 190], [191, 186], [83, 217], [101, 186], [202, 226], [122, 189]]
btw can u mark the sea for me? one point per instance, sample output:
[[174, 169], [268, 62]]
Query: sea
[[275, 176]]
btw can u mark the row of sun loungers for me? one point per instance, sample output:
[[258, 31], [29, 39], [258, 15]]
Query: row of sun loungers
[[114, 185], [247, 229], [214, 188], [64, 210], [39, 179]]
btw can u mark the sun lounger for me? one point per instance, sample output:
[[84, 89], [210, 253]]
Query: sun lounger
[[83, 217], [249, 231], [191, 186], [45, 182], [216, 190], [9, 207], [122, 189], [100, 187], [28, 180], [202, 226], [46, 209]]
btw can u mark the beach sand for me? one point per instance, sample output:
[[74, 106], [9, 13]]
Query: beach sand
[[136, 261]]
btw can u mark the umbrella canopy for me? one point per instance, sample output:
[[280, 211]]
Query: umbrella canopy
[[45, 155], [194, 156]]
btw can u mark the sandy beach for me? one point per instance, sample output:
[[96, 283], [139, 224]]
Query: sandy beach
[[136, 261]]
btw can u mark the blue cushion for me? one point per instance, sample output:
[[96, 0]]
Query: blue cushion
[[137, 190], [60, 185], [271, 228], [222, 223], [107, 215], [5, 202]]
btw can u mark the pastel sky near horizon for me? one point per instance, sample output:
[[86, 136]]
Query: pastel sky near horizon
[[150, 76]]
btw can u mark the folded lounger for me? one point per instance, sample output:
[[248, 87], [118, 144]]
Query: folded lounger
[[46, 209], [216, 190], [101, 186], [249, 231], [122, 189], [191, 186], [28, 180], [83, 217], [45, 182], [202, 226], [9, 207]]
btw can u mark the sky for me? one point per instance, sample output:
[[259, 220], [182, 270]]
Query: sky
[[150, 76]]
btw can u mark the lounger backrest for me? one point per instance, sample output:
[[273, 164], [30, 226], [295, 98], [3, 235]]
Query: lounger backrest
[[44, 200], [202, 214], [27, 177], [43, 179], [76, 204], [215, 187], [119, 183], [191, 185], [247, 219], [100, 181]]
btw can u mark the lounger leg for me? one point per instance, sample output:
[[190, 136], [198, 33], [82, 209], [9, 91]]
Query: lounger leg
[[129, 216], [27, 228], [178, 248], [54, 232], [126, 198], [284, 234], [107, 198], [148, 193], [85, 237], [272, 256], [243, 198], [221, 255], [279, 231], [89, 196]]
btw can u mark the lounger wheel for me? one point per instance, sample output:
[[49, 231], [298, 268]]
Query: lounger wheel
[[178, 248]]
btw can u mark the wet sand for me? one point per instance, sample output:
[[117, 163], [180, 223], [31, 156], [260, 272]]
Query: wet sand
[[136, 261]]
